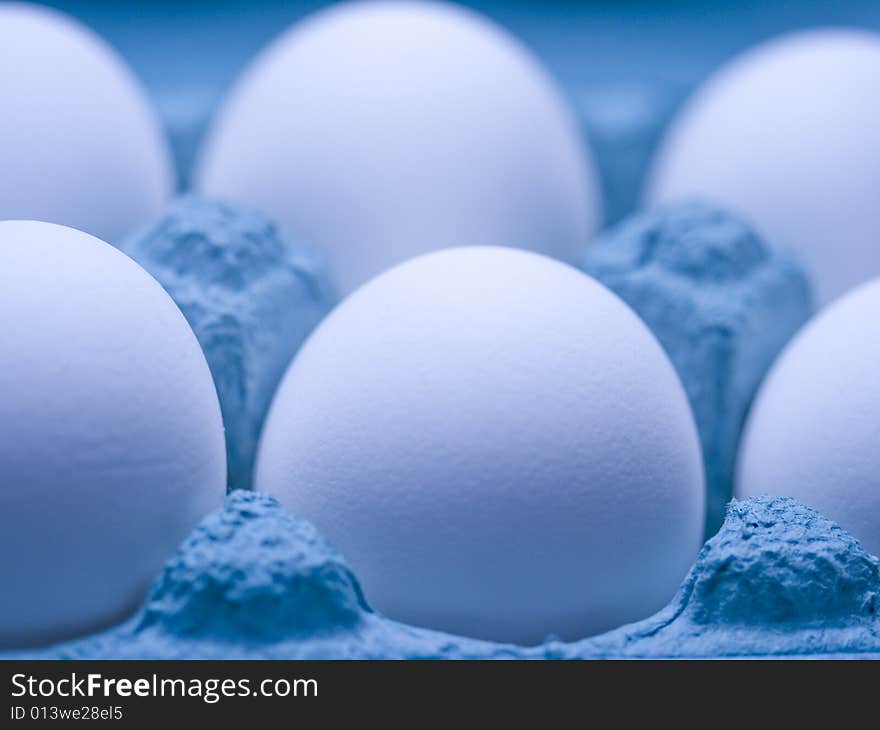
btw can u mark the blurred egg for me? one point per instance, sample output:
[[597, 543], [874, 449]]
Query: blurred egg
[[384, 130], [814, 431], [111, 441], [788, 134], [496, 443], [79, 144]]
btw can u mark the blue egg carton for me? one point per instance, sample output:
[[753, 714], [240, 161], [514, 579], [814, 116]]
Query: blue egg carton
[[254, 582]]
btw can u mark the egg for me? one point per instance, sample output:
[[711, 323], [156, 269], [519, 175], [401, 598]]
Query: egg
[[496, 443], [814, 429], [380, 131], [79, 144], [111, 440], [787, 135]]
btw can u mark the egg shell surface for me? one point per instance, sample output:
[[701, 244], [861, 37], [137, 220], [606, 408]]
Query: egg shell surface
[[786, 135], [111, 441], [496, 443], [79, 143], [814, 430], [380, 131]]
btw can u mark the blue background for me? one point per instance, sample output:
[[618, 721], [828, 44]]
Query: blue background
[[625, 65]]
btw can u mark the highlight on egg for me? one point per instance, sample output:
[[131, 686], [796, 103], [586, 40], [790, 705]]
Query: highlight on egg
[[113, 444], [379, 131], [813, 431], [498, 446], [786, 134], [80, 145]]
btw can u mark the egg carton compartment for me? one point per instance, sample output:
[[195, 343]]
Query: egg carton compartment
[[778, 580]]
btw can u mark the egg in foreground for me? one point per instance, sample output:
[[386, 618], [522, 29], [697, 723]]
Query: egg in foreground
[[498, 446], [381, 131], [111, 441], [814, 430]]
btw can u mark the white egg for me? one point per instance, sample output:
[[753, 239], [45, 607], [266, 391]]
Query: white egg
[[788, 134], [111, 441], [496, 443], [79, 145], [814, 431], [380, 131]]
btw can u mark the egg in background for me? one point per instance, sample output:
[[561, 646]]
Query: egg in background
[[79, 143], [111, 439], [814, 429], [497, 445], [788, 134], [380, 131]]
